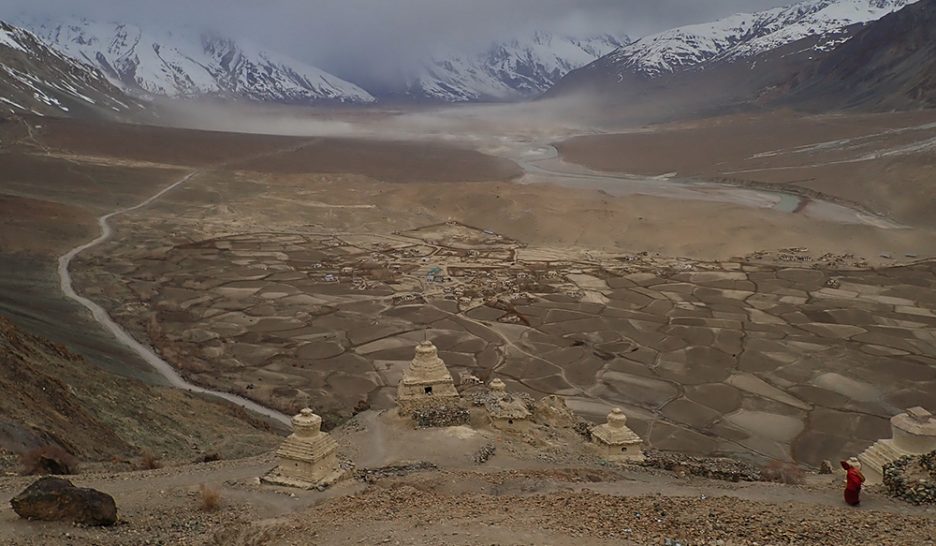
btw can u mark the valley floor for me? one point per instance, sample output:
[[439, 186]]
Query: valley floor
[[882, 162], [301, 270]]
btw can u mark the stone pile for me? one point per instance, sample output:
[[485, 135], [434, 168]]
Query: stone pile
[[486, 452], [912, 478]]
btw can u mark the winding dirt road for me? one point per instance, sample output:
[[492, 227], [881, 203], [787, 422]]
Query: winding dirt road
[[166, 370]]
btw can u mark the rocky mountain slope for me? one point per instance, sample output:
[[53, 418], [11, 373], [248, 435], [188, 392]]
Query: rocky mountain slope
[[889, 64], [821, 25], [35, 78], [508, 70], [186, 63], [53, 396]]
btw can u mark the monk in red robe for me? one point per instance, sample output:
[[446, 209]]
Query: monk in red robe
[[853, 481]]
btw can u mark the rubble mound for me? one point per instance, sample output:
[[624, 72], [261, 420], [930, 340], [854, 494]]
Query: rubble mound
[[552, 410], [57, 499], [491, 400], [912, 478], [718, 468]]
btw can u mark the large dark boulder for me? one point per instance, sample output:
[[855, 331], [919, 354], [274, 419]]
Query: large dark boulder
[[57, 499]]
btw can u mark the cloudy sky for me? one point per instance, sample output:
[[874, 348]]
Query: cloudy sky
[[374, 35]]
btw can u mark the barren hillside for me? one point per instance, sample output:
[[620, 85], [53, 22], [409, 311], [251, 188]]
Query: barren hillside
[[53, 396]]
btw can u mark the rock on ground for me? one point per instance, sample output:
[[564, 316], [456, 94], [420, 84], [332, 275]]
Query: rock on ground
[[57, 499]]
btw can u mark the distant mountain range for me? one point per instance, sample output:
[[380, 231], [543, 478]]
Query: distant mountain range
[[37, 79], [758, 50], [828, 53], [742, 36], [515, 69], [186, 63]]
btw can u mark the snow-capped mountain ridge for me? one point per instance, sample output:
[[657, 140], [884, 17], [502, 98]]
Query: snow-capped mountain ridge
[[188, 63], [746, 35], [37, 79], [513, 69]]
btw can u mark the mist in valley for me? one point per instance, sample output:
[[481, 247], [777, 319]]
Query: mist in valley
[[544, 120]]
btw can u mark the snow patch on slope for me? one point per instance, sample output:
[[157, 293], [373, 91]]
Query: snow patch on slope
[[9, 39], [36, 78]]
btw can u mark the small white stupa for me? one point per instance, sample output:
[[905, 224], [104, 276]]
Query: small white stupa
[[308, 457], [912, 433], [617, 442], [426, 382]]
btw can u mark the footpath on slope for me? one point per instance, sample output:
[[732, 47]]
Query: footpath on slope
[[552, 492], [172, 377]]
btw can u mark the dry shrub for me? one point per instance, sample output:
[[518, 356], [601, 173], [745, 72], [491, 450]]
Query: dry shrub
[[50, 459], [783, 472], [208, 458], [148, 461], [361, 406], [209, 498]]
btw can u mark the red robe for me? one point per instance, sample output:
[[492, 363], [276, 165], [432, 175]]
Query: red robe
[[853, 480]]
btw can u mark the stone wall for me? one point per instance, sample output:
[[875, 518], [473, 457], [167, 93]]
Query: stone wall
[[718, 468], [444, 416], [428, 403], [912, 478]]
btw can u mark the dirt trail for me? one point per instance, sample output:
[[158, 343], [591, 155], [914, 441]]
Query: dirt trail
[[172, 377]]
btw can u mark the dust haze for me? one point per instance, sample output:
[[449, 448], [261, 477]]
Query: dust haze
[[475, 125]]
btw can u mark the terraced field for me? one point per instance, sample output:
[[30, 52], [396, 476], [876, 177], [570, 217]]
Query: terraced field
[[758, 359]]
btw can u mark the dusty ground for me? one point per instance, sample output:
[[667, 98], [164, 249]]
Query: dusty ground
[[541, 488]]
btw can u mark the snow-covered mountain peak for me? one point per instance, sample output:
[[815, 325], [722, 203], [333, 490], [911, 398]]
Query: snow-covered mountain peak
[[37, 79], [746, 35], [511, 69], [184, 62], [11, 37]]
